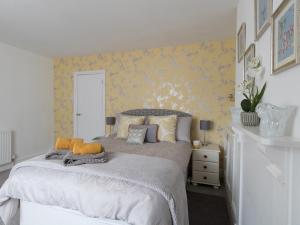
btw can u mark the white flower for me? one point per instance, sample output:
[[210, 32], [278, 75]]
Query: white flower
[[246, 85], [255, 68], [254, 63]]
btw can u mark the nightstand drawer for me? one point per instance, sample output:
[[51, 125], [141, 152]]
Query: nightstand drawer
[[208, 156], [207, 178], [205, 166]]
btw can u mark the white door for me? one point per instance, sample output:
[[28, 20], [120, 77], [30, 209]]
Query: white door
[[89, 105]]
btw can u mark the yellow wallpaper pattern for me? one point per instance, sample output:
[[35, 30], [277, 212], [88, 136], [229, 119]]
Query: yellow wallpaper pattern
[[195, 78]]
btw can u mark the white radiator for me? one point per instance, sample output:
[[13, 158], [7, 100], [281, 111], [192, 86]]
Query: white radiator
[[5, 147]]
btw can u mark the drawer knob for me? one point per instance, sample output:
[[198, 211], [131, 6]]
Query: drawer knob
[[205, 167], [204, 178], [205, 156]]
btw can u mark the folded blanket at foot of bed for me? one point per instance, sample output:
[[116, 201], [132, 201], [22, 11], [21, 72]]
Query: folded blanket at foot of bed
[[54, 154], [72, 159]]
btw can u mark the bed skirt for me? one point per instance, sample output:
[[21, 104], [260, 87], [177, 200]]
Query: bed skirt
[[34, 213]]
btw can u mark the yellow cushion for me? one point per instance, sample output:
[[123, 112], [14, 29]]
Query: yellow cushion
[[74, 141], [124, 123], [166, 127], [84, 148], [66, 143], [62, 143]]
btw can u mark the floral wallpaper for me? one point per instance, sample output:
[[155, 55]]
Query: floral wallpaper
[[195, 78]]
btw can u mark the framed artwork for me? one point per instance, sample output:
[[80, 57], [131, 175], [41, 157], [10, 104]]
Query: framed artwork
[[249, 54], [285, 38], [241, 42], [263, 13]]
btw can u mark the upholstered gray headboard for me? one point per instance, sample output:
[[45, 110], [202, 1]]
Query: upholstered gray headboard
[[155, 112]]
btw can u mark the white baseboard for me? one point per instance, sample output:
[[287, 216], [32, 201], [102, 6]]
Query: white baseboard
[[6, 167], [21, 159], [18, 160]]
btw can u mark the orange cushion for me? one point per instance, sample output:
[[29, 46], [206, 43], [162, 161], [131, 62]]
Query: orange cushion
[[66, 143], [84, 148], [74, 141], [62, 143]]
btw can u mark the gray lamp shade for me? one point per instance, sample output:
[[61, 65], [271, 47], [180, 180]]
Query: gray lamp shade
[[110, 120], [204, 124]]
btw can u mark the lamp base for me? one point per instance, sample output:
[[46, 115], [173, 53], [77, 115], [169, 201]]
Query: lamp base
[[109, 134], [204, 143]]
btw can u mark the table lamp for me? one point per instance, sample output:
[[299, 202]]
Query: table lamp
[[205, 126], [110, 121]]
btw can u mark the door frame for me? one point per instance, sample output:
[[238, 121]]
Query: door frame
[[75, 81]]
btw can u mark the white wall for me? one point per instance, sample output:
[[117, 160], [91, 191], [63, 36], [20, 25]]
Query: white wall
[[26, 100], [283, 88]]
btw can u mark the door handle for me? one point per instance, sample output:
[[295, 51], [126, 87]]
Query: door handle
[[78, 114]]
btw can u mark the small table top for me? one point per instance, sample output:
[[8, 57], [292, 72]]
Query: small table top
[[211, 147]]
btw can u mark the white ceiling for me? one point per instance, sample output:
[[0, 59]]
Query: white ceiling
[[78, 27]]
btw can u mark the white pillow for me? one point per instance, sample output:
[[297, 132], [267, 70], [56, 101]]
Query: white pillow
[[183, 131]]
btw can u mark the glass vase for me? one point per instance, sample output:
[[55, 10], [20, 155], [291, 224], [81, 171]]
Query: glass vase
[[273, 119]]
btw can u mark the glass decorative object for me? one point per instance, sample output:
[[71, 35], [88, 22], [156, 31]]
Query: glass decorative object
[[274, 119]]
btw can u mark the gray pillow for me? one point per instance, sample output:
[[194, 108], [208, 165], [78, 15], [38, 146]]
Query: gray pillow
[[136, 136], [183, 131], [151, 133]]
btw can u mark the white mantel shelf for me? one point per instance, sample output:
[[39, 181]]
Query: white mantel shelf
[[253, 132]]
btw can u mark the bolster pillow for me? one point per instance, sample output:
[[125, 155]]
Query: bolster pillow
[[66, 143], [62, 143], [83, 148]]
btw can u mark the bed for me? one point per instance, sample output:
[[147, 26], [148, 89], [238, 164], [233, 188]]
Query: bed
[[140, 184]]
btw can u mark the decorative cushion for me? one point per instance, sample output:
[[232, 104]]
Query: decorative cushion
[[166, 127], [136, 136], [151, 133], [87, 148], [183, 131], [124, 123], [62, 143]]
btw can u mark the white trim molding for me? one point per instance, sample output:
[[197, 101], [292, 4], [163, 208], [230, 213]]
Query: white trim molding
[[6, 167], [18, 160]]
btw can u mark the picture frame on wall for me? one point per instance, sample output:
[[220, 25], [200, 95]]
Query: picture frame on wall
[[263, 14], [249, 54], [285, 36], [241, 42]]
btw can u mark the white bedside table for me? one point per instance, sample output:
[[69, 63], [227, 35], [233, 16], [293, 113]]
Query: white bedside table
[[205, 164]]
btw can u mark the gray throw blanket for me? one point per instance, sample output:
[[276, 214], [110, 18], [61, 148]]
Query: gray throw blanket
[[71, 159], [56, 154]]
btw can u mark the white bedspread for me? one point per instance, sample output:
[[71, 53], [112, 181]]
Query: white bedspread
[[140, 190]]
